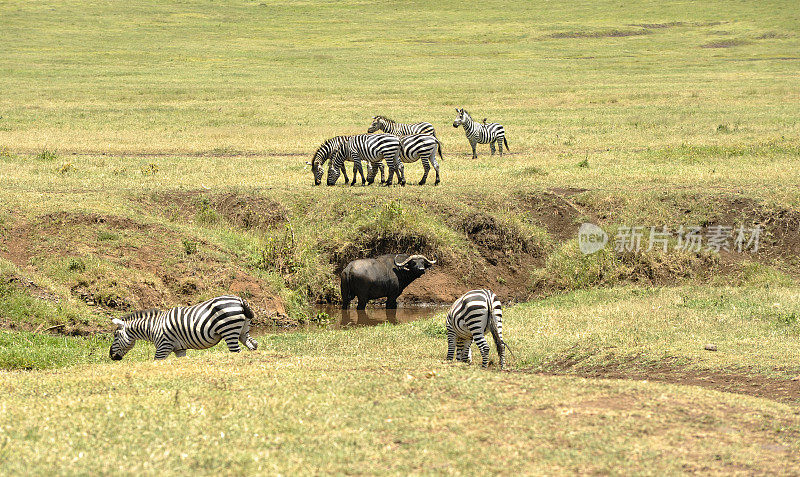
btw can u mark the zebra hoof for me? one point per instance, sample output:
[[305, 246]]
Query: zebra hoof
[[421, 182], [436, 183]]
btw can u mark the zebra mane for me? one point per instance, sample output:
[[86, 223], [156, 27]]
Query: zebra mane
[[467, 113], [389, 120], [139, 314], [325, 143]]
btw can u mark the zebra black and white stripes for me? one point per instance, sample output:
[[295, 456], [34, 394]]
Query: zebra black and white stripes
[[382, 123], [327, 149], [468, 320], [420, 147], [478, 133], [195, 327], [368, 147]]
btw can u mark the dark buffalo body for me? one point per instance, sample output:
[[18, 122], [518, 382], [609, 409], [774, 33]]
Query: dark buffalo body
[[384, 276]]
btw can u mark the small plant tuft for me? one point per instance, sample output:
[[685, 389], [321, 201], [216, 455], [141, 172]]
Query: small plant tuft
[[150, 169], [584, 163], [76, 265], [47, 155], [189, 247]]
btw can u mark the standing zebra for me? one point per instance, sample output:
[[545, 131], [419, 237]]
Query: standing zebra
[[373, 148], [420, 147], [468, 319], [326, 150], [386, 125], [195, 327], [478, 133]]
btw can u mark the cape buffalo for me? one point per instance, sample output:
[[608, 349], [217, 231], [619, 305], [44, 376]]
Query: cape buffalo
[[385, 276]]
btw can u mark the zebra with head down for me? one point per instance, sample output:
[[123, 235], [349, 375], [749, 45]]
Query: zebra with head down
[[470, 317], [195, 327], [327, 150], [373, 148]]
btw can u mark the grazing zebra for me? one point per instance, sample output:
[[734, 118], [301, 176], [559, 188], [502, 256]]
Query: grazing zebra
[[468, 319], [420, 147], [195, 327], [386, 125], [326, 150], [374, 148], [478, 133]]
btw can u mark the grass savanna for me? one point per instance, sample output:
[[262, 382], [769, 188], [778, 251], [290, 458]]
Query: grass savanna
[[383, 400], [153, 154]]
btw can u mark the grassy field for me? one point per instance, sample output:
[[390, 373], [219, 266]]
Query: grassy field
[[153, 154], [381, 400]]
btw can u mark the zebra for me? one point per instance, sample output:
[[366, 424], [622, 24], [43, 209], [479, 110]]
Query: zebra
[[468, 319], [373, 148], [386, 125], [421, 147], [478, 133], [326, 150], [195, 327]]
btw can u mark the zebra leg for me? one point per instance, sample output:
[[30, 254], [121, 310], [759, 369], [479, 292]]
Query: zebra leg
[[361, 171], [500, 145], [474, 154], [163, 349], [380, 166], [180, 353], [480, 340], [425, 168], [451, 344], [344, 174], [435, 167], [246, 340], [232, 340], [491, 147], [466, 351], [460, 349]]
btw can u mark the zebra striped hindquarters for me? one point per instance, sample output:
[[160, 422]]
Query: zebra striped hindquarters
[[382, 123], [373, 148], [478, 133], [468, 320], [195, 327], [421, 147]]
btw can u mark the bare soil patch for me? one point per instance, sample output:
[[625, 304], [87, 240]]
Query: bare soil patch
[[142, 265], [738, 381]]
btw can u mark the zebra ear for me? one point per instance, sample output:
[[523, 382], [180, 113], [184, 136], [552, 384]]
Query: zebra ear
[[118, 322]]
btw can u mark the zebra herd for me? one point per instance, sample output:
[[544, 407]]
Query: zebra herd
[[228, 318], [398, 144]]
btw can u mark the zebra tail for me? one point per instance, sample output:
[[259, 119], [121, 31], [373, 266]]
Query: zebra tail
[[248, 312], [498, 342], [507, 149], [439, 148]]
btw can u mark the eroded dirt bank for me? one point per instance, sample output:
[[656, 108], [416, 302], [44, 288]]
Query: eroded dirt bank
[[171, 252]]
